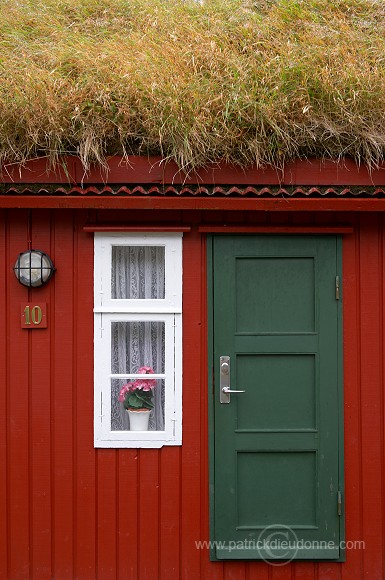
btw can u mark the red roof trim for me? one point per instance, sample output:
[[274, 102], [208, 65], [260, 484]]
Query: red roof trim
[[154, 170], [194, 203]]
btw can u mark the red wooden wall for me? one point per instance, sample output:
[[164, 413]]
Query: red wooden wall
[[70, 511]]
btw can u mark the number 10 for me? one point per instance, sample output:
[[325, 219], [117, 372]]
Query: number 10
[[35, 314]]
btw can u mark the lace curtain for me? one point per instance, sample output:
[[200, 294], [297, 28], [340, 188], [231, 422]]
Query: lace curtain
[[137, 273]]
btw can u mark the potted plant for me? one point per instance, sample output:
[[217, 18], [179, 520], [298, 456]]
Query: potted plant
[[136, 397]]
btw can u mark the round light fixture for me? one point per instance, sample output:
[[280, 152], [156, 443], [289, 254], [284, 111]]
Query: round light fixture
[[33, 268]]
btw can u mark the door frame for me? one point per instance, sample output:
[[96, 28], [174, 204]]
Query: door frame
[[212, 392]]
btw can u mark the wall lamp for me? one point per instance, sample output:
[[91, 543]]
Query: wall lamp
[[33, 268]]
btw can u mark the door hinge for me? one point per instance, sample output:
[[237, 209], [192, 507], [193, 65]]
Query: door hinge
[[338, 288], [339, 503]]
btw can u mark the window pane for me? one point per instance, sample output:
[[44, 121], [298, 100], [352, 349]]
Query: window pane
[[138, 272], [121, 420], [137, 344]]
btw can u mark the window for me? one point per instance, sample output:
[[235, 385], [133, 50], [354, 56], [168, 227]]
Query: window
[[138, 340]]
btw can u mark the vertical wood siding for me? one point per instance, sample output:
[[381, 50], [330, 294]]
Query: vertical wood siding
[[70, 511]]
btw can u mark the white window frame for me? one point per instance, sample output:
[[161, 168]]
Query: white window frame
[[108, 310]]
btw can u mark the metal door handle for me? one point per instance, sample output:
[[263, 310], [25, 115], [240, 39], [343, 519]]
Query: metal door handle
[[224, 380]]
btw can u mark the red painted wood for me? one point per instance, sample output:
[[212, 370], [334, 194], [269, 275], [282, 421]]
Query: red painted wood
[[149, 525], [234, 571], [107, 513], [137, 169], [195, 203], [131, 228], [304, 570], [258, 571], [194, 397], [38, 171], [278, 219], [353, 568], [40, 418], [19, 389], [273, 229], [85, 458], [315, 171], [135, 217], [128, 486], [4, 499], [63, 354], [223, 173], [371, 392], [170, 513], [283, 572], [70, 511]]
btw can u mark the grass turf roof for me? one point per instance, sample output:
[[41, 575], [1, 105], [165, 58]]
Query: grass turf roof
[[243, 81]]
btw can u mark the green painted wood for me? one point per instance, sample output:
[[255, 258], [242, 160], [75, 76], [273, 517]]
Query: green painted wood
[[276, 468]]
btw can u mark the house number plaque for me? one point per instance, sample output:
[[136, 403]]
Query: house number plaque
[[33, 315]]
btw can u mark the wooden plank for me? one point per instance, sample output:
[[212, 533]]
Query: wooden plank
[[327, 172], [305, 570], [259, 571], [39, 171], [301, 218], [106, 505], [170, 512], [280, 219], [353, 568], [284, 572], [132, 169], [222, 173], [63, 354], [195, 203], [192, 397], [371, 388], [143, 169], [149, 525], [85, 457], [112, 227], [135, 217], [128, 512], [329, 570], [19, 419], [274, 229], [234, 571], [40, 413], [4, 498]]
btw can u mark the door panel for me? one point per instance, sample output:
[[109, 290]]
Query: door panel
[[296, 408], [276, 446], [270, 278]]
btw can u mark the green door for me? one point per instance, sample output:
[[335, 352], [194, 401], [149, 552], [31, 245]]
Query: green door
[[276, 457]]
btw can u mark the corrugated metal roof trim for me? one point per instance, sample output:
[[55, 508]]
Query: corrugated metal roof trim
[[158, 190]]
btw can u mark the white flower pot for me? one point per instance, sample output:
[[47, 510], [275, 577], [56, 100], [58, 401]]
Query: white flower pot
[[139, 419]]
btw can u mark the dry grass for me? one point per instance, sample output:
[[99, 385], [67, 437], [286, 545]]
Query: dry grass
[[239, 80]]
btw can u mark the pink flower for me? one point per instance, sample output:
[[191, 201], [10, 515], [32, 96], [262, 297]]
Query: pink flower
[[138, 384], [125, 389], [145, 371], [145, 384]]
